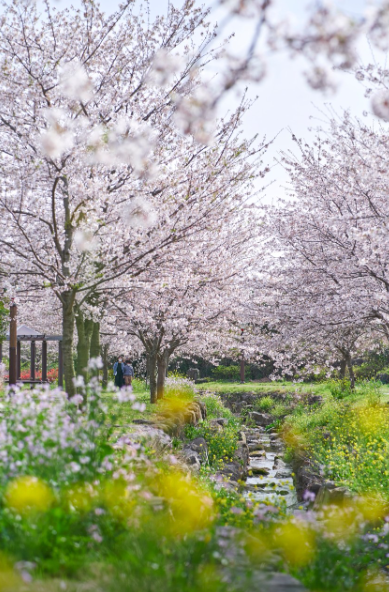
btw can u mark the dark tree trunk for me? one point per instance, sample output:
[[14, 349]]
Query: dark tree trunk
[[95, 344], [152, 374], [342, 371], [84, 333], [67, 342], [95, 341], [162, 363], [104, 355], [351, 372]]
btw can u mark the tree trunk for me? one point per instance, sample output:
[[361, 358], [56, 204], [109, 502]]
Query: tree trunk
[[84, 333], [104, 356], [162, 363], [351, 372], [95, 344], [67, 340], [95, 341], [342, 371], [152, 372]]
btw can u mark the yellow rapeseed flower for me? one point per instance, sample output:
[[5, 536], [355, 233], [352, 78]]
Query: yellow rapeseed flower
[[190, 508], [117, 498], [81, 497], [27, 495], [297, 543], [371, 508], [258, 547], [9, 579]]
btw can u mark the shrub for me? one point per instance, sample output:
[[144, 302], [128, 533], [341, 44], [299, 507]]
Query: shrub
[[215, 407], [279, 410], [340, 389], [383, 376], [264, 404], [227, 373], [221, 444]]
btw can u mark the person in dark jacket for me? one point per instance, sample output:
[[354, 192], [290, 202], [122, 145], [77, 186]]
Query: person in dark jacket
[[118, 372], [128, 373]]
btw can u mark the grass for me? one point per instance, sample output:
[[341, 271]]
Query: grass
[[297, 388], [123, 413], [247, 387]]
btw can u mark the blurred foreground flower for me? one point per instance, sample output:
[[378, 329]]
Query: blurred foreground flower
[[117, 498], [27, 495], [190, 508], [297, 543], [81, 497], [10, 581]]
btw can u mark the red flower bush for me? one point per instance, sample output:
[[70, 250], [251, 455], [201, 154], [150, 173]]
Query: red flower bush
[[52, 375]]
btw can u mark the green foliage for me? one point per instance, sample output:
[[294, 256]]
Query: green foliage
[[176, 374], [94, 531], [383, 376], [333, 570], [264, 404], [4, 312], [222, 444], [280, 410], [318, 375], [215, 407], [340, 389], [374, 362], [226, 372]]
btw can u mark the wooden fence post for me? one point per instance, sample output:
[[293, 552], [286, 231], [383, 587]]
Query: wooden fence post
[[60, 364], [13, 338], [32, 363], [44, 360]]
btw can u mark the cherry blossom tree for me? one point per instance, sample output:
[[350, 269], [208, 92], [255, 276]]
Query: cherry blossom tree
[[327, 276], [191, 302], [84, 126]]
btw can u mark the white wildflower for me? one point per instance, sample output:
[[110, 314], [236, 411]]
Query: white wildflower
[[124, 396], [139, 406], [76, 399], [95, 363], [97, 537], [79, 382]]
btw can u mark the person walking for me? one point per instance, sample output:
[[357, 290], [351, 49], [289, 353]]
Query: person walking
[[128, 373], [118, 372]]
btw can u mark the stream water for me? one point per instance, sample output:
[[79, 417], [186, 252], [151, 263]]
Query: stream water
[[270, 478]]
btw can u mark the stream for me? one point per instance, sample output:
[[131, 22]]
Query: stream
[[270, 478]]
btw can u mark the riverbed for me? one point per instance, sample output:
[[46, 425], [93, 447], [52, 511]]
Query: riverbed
[[270, 477]]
